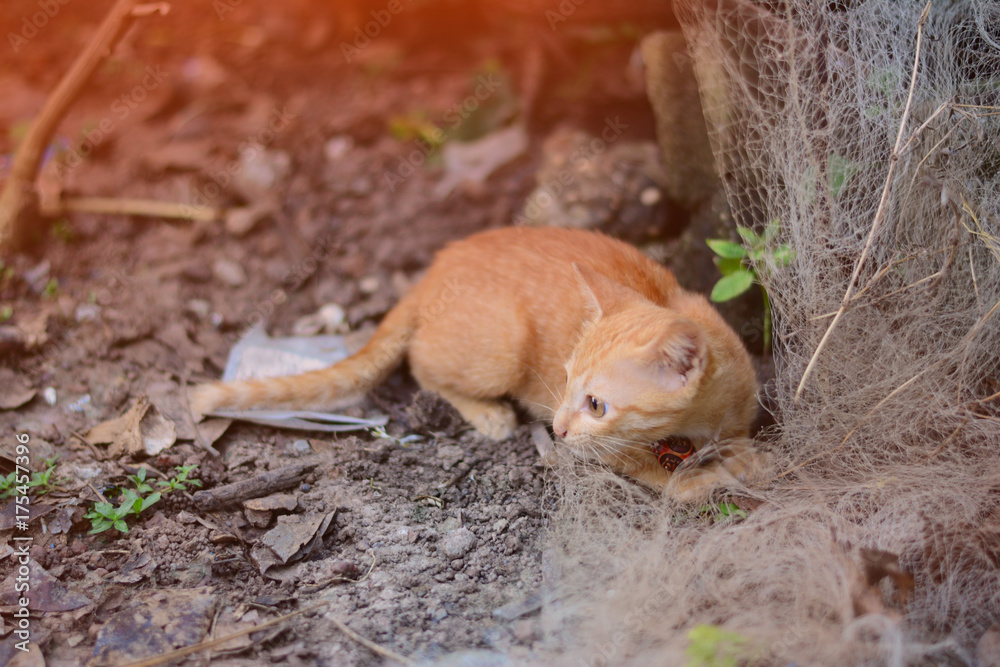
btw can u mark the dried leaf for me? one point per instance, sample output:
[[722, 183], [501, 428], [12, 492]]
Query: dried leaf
[[140, 431]]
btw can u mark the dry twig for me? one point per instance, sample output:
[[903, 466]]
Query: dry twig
[[18, 200], [879, 213]]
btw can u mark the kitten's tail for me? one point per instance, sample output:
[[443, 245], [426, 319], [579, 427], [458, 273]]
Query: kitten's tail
[[340, 384]]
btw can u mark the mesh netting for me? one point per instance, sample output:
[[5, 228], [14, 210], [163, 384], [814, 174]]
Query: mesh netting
[[870, 141]]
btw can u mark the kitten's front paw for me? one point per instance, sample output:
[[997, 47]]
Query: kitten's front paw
[[496, 422], [716, 466]]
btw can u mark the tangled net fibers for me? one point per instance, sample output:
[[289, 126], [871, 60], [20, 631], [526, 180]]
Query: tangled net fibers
[[867, 135]]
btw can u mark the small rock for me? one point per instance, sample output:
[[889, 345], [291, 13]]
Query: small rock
[[406, 535], [199, 308], [337, 147], [87, 312], [650, 196], [450, 452], [500, 526], [458, 543], [332, 316], [262, 171], [196, 272], [369, 284], [301, 447], [49, 395], [229, 272], [360, 186]]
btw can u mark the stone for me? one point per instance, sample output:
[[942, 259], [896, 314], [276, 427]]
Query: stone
[[229, 272], [458, 543]]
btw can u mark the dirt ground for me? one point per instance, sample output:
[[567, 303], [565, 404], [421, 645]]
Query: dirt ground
[[426, 546]]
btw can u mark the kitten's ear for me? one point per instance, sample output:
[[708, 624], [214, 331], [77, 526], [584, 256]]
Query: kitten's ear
[[681, 354], [603, 295]]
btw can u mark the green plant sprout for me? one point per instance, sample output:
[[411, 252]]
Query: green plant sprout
[[737, 263], [181, 481], [62, 231], [40, 481], [711, 646], [729, 511], [104, 515], [51, 290], [139, 482], [415, 125]]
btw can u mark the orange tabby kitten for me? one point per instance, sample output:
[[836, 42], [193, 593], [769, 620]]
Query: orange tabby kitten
[[579, 328]]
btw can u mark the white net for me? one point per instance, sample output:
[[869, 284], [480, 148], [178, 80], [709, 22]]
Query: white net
[[871, 141]]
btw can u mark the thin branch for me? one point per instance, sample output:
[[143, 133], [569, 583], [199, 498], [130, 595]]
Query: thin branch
[[18, 198], [879, 214], [145, 207], [170, 656]]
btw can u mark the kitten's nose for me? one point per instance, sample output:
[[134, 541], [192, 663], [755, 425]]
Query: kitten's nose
[[559, 426]]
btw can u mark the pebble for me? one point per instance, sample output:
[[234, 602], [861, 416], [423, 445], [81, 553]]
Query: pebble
[[650, 196], [229, 272], [360, 186], [49, 395], [337, 147], [197, 272], [261, 172], [500, 526], [87, 312], [301, 447], [200, 308], [458, 543], [368, 285], [332, 315]]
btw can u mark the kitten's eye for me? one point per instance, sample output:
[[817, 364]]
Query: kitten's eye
[[597, 406]]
